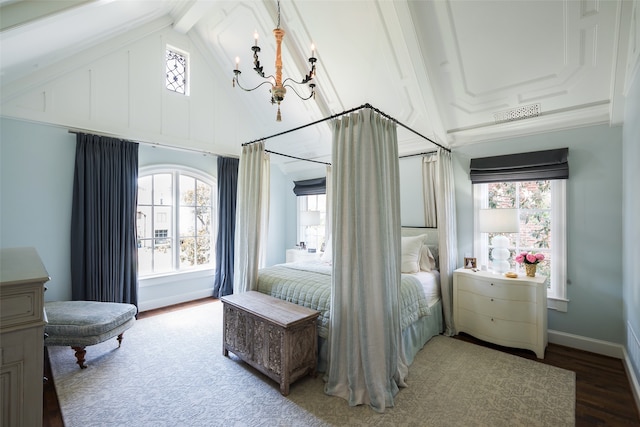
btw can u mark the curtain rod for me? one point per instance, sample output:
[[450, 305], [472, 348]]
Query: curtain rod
[[153, 144], [329, 164], [347, 112], [418, 154], [297, 158]]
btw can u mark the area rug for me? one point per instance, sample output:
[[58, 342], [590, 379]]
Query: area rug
[[170, 371]]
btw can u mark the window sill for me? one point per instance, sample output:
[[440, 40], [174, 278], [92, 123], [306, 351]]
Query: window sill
[[558, 304], [162, 279]]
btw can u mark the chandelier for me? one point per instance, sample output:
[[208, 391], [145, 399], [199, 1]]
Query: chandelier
[[278, 86]]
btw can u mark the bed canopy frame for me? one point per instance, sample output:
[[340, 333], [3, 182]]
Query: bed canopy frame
[[334, 116], [360, 377]]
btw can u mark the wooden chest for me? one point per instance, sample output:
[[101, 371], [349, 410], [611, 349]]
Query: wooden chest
[[274, 336]]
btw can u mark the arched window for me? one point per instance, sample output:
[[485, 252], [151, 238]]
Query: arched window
[[175, 223]]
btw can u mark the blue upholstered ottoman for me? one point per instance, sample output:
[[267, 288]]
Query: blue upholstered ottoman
[[83, 323]]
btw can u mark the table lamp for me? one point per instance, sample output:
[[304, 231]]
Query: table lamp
[[499, 221], [309, 219]]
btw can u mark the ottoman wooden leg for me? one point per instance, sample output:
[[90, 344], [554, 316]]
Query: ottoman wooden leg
[[120, 339], [80, 352]]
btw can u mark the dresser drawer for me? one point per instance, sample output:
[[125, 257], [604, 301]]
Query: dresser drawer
[[21, 305], [518, 311], [505, 311], [497, 288], [492, 329]]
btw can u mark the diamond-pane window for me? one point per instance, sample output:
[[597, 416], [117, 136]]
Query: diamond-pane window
[[176, 72]]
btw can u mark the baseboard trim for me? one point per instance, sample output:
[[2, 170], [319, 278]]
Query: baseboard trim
[[604, 348], [174, 299], [633, 379]]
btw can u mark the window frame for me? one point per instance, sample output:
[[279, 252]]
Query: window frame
[[195, 271], [187, 73], [557, 291], [303, 206]]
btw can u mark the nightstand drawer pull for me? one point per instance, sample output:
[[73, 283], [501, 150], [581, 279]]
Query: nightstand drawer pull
[[492, 284], [491, 299]]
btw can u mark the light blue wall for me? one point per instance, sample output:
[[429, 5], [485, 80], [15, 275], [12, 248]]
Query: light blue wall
[[411, 202], [150, 155], [36, 177], [594, 218], [280, 217], [411, 193], [283, 219], [631, 213]]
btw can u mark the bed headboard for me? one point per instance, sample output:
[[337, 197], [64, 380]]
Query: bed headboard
[[432, 233]]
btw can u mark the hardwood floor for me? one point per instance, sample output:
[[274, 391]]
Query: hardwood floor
[[603, 393]]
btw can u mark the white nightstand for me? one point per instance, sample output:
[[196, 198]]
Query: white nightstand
[[494, 308], [300, 255]]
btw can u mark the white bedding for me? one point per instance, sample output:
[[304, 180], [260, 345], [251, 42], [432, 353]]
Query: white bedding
[[430, 281]]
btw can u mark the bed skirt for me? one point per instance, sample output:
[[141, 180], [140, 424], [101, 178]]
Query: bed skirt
[[414, 336]]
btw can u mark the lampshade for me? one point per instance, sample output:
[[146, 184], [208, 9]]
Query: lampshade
[[498, 221], [310, 218]]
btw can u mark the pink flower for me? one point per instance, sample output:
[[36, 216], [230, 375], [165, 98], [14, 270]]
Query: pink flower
[[529, 258]]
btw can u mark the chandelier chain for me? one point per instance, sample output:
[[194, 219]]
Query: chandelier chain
[[278, 26]]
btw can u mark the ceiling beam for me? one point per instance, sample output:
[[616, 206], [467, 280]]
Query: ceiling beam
[[17, 13], [191, 15]]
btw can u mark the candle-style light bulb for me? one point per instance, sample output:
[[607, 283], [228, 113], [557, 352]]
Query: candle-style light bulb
[[255, 37], [237, 62], [313, 50]]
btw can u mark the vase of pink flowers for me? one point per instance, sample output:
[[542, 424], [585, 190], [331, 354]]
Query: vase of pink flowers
[[530, 261]]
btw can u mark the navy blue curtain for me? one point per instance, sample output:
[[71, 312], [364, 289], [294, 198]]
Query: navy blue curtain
[[227, 195], [104, 254]]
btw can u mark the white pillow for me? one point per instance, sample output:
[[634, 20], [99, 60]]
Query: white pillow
[[411, 254], [427, 260]]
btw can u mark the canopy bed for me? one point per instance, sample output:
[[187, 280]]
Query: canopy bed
[[308, 283], [371, 337]]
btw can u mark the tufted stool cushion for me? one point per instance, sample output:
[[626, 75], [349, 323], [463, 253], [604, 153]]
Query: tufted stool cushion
[[83, 323]]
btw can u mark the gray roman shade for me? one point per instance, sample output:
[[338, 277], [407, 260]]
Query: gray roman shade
[[532, 166], [310, 187]]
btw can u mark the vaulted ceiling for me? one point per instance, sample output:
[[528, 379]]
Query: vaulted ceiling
[[457, 72]]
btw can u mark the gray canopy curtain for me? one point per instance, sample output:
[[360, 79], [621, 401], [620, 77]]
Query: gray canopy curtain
[[447, 234], [366, 361], [252, 216], [227, 194], [104, 254]]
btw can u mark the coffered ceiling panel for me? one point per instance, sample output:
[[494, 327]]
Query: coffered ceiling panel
[[495, 59]]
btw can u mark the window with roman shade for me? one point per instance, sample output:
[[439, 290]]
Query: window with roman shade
[[310, 187], [532, 166], [312, 198], [534, 183]]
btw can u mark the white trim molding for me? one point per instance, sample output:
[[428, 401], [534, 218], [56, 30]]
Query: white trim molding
[[634, 383], [592, 345], [174, 299], [558, 304], [632, 360]]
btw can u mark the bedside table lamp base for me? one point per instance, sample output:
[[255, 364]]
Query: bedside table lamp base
[[500, 254]]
